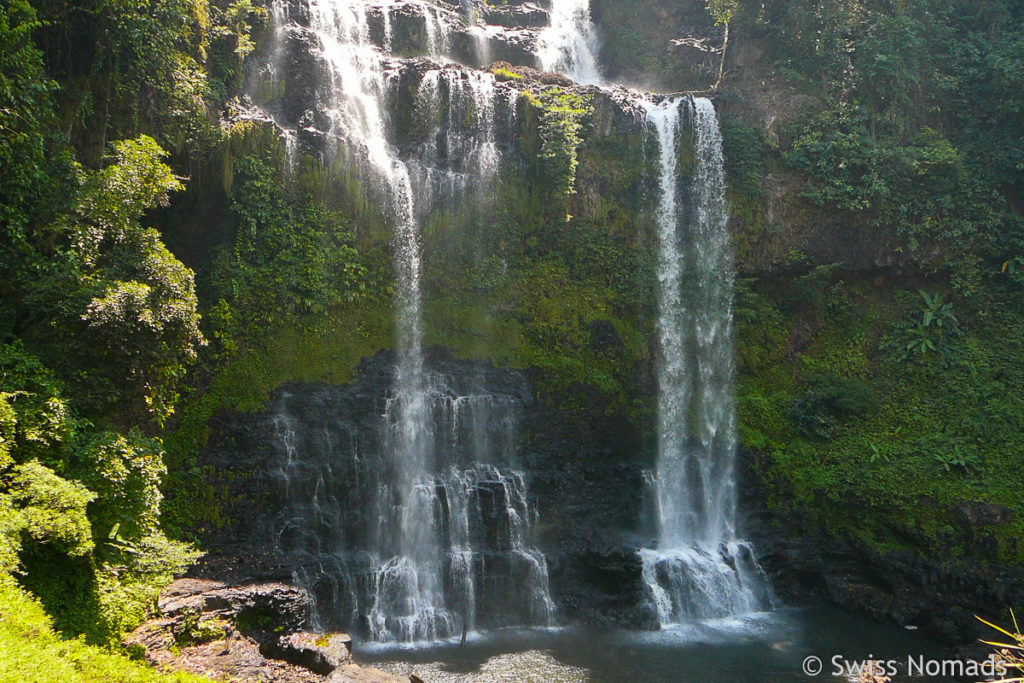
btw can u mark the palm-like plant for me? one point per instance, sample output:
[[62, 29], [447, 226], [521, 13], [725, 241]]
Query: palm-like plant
[[929, 333], [936, 312]]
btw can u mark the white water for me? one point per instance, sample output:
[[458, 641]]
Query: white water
[[424, 553], [358, 117], [461, 152], [570, 44], [469, 563], [700, 569], [479, 31], [437, 29]]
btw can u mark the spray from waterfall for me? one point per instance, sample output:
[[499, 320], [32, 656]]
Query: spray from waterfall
[[570, 44]]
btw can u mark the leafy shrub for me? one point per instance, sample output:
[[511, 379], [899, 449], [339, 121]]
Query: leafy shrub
[[125, 306], [39, 505], [561, 129], [928, 331], [124, 470], [958, 458], [35, 419]]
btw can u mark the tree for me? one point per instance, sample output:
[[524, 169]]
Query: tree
[[129, 67], [125, 305], [291, 256]]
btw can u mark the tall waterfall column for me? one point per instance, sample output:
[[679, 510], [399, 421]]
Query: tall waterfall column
[[416, 573], [570, 45], [699, 568]]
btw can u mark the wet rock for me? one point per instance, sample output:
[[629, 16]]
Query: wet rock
[[939, 593], [245, 633], [583, 479], [524, 15]]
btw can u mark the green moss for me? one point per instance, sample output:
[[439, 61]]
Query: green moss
[[879, 478], [196, 630], [326, 349], [505, 74]]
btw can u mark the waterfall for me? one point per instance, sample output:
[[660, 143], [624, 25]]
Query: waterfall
[[461, 152], [437, 30], [448, 544], [468, 507], [570, 45], [478, 30], [416, 562], [700, 569]]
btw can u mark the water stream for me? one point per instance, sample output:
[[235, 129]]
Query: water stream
[[699, 569], [570, 44], [449, 547]]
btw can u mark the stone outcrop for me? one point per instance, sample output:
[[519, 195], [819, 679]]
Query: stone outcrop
[[322, 653], [592, 559], [940, 594], [247, 632]]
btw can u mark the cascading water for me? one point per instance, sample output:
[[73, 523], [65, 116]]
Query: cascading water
[[461, 152], [437, 30], [451, 515], [700, 569], [478, 30], [570, 45], [346, 516]]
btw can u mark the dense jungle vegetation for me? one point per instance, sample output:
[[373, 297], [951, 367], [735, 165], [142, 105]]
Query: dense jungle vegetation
[[889, 383]]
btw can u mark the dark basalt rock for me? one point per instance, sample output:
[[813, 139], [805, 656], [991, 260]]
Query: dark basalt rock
[[285, 606], [523, 14], [582, 477], [979, 514], [289, 82], [940, 593]]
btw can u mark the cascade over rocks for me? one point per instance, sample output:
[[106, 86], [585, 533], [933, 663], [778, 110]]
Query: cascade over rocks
[[288, 518], [406, 28], [299, 80], [589, 537]]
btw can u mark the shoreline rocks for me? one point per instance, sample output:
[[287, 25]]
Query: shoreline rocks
[[249, 632]]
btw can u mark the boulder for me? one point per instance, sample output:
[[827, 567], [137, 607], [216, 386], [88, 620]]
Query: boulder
[[322, 653], [350, 673]]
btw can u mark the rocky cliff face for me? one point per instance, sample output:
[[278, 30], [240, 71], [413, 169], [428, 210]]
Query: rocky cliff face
[[940, 594], [305, 481], [562, 287]]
